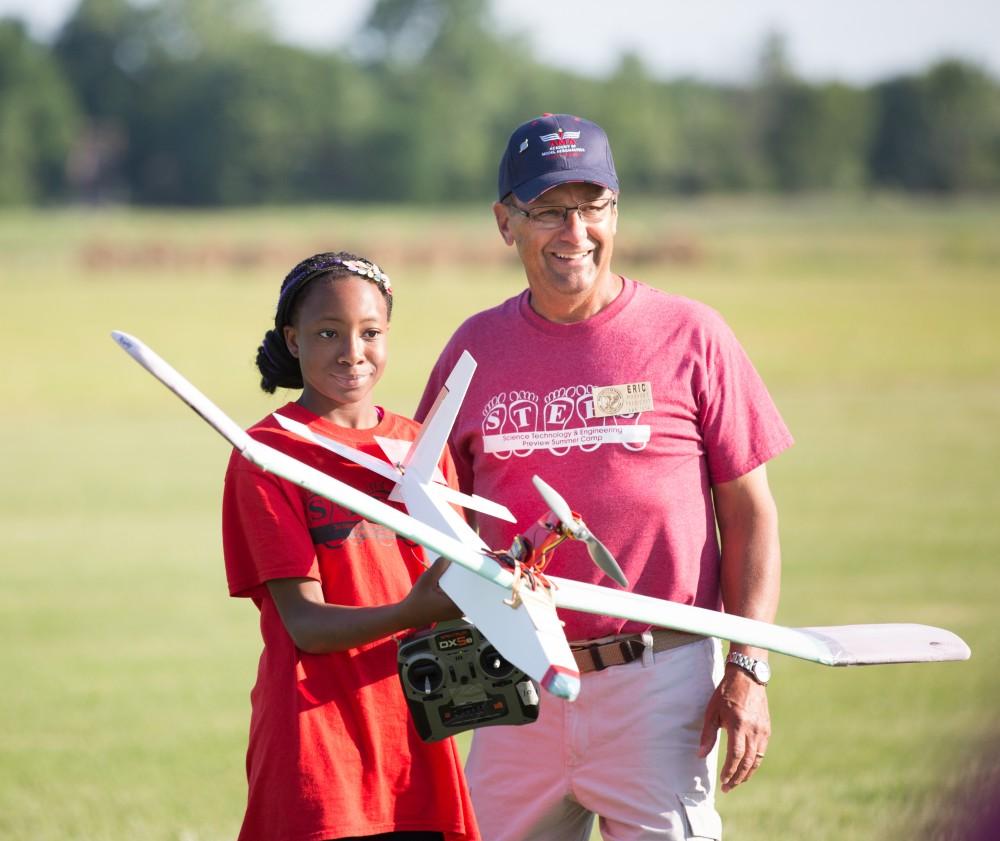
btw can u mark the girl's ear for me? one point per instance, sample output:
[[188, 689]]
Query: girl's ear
[[291, 340]]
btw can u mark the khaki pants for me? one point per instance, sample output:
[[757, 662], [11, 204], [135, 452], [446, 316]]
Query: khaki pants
[[626, 750]]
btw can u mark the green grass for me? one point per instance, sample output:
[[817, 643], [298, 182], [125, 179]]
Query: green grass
[[126, 668]]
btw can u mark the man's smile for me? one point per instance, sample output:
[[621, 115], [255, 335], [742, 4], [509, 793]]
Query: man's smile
[[572, 255]]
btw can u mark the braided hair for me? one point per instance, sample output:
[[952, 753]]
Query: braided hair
[[278, 368]]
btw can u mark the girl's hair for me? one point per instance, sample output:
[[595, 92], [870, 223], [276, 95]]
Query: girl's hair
[[278, 368]]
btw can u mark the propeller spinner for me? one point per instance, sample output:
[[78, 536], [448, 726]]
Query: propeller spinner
[[578, 530]]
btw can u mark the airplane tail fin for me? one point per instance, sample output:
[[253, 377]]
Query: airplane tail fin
[[425, 453]]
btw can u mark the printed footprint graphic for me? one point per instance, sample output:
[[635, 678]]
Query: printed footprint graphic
[[585, 411], [557, 411], [523, 414], [495, 420]]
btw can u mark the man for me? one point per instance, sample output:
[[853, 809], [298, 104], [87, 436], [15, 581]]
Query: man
[[642, 409]]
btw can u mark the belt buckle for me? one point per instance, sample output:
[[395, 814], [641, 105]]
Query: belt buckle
[[629, 648]]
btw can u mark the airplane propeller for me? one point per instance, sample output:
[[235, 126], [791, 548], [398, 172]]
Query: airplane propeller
[[578, 530]]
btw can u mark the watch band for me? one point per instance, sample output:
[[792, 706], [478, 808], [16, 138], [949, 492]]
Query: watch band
[[759, 670]]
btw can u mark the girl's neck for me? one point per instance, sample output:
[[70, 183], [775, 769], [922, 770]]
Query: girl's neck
[[350, 416]]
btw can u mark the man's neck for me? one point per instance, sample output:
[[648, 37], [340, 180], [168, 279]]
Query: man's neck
[[568, 309]]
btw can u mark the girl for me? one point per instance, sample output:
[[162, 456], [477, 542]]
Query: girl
[[332, 753]]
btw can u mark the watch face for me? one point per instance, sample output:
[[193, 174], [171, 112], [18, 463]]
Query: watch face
[[762, 671]]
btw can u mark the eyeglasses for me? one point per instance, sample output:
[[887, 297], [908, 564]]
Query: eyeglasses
[[555, 216]]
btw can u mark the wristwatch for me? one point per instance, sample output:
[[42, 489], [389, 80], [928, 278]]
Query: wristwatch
[[759, 670]]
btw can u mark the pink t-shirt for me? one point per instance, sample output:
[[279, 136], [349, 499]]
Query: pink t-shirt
[[641, 480]]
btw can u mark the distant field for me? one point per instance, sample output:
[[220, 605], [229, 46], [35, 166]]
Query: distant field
[[126, 669]]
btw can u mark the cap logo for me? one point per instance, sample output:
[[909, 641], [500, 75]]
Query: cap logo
[[523, 146], [562, 143]]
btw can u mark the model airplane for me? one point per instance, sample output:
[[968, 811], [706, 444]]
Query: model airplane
[[506, 594]]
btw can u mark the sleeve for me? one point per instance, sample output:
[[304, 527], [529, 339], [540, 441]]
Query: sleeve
[[740, 424], [264, 530]]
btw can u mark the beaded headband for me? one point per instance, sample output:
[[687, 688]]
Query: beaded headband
[[369, 270], [318, 265]]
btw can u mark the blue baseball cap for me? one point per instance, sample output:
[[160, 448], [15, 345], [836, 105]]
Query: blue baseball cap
[[555, 149]]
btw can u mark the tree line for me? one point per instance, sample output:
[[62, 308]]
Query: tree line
[[196, 103]]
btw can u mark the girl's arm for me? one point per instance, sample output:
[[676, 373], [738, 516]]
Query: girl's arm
[[317, 627]]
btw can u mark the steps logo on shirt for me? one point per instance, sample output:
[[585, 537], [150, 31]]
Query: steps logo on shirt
[[520, 422]]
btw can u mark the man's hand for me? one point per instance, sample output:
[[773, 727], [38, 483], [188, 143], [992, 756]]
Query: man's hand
[[750, 578], [739, 704]]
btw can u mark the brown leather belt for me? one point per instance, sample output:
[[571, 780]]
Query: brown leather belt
[[598, 655]]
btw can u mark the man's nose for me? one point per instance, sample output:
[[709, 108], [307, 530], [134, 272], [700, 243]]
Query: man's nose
[[574, 224]]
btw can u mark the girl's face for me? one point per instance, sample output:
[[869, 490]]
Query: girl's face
[[338, 335]]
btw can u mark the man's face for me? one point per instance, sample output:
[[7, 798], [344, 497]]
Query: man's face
[[573, 259]]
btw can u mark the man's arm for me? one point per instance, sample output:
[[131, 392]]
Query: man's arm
[[750, 580]]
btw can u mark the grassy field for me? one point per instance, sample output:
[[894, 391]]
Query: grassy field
[[126, 668]]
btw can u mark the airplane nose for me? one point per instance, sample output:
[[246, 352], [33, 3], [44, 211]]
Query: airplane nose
[[561, 684]]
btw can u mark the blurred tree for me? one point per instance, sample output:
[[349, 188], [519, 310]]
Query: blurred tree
[[938, 132], [717, 143], [899, 155], [817, 137], [38, 119], [132, 66], [811, 136], [449, 89], [194, 102], [267, 124], [638, 114], [188, 28], [103, 49], [965, 116]]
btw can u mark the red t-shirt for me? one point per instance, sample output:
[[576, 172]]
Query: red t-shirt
[[332, 748]]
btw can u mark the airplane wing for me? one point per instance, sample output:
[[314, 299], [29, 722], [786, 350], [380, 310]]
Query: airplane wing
[[834, 645], [397, 451], [376, 465], [838, 645]]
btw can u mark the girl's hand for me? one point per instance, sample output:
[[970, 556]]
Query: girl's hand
[[427, 603]]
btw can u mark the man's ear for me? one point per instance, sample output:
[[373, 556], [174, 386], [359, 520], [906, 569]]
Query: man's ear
[[291, 340], [502, 216]]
